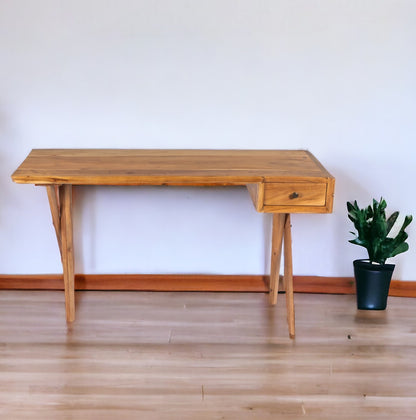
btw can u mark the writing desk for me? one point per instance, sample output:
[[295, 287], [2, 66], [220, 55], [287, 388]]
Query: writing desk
[[279, 182]]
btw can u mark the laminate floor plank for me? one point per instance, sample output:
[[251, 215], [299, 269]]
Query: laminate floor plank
[[144, 355]]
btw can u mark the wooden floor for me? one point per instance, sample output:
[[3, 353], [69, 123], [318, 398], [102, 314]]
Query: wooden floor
[[144, 355]]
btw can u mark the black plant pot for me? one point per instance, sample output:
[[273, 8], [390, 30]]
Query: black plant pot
[[372, 284]]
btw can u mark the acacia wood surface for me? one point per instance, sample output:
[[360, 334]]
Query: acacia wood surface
[[159, 167], [283, 193], [187, 356]]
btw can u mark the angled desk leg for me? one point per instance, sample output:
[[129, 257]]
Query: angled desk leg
[[282, 238], [60, 202], [288, 276], [277, 241]]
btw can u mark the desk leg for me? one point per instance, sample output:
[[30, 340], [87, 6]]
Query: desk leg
[[282, 235], [277, 241], [60, 202], [288, 277]]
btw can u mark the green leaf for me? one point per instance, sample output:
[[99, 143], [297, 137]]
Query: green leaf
[[391, 221], [407, 220], [403, 247]]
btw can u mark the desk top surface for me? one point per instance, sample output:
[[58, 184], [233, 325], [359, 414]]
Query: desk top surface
[[168, 167]]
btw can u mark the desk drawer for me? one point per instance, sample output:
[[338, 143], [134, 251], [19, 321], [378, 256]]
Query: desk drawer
[[294, 194]]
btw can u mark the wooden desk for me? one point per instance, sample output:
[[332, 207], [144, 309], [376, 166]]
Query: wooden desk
[[279, 182]]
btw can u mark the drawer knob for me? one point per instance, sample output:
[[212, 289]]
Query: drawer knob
[[293, 195]]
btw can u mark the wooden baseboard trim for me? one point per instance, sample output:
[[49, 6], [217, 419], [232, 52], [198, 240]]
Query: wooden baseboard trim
[[141, 282], [193, 283]]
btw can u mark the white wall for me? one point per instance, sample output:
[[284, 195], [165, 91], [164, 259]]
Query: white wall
[[334, 77]]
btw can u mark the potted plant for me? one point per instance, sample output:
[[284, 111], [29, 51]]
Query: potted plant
[[373, 276]]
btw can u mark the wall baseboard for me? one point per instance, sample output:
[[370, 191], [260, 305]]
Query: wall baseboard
[[192, 283]]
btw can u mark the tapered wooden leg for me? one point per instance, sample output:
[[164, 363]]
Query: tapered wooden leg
[[60, 202], [288, 276], [65, 197], [53, 197], [277, 240], [282, 238]]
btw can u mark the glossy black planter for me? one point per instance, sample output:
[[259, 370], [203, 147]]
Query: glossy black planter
[[372, 284]]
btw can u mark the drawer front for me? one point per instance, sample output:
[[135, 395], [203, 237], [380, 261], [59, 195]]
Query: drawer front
[[294, 194]]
